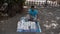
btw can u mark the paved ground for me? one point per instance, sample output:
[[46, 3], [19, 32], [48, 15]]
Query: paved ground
[[49, 22]]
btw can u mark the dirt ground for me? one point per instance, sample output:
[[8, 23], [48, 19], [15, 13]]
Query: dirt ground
[[8, 25]]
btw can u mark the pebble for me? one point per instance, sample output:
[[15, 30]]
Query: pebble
[[59, 33], [47, 21], [1, 21], [47, 26], [52, 32], [54, 25], [53, 21], [57, 18], [3, 29], [50, 13]]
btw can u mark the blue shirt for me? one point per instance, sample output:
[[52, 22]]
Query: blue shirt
[[32, 13]]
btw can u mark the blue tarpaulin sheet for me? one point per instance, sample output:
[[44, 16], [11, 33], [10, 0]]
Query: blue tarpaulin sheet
[[38, 29]]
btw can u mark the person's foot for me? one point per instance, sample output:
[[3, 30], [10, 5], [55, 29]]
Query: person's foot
[[38, 20]]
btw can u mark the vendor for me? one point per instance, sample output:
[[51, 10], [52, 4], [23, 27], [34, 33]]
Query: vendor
[[32, 13]]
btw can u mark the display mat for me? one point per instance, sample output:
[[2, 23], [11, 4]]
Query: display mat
[[29, 26]]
